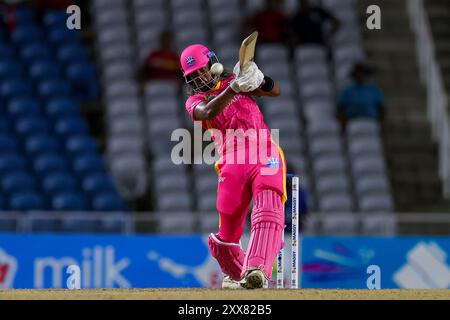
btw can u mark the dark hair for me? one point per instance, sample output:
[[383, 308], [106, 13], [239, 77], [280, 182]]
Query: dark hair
[[225, 75]]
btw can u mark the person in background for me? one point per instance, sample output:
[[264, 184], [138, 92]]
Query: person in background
[[361, 98], [270, 22], [307, 25], [162, 63]]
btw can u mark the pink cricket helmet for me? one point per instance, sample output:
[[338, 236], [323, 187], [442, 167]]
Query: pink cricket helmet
[[195, 57]]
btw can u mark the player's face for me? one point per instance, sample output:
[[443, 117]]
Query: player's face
[[201, 79]]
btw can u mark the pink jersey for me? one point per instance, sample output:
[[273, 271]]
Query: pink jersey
[[242, 113]]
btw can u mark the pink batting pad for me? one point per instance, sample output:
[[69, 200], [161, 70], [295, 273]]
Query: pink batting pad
[[266, 234], [230, 256]]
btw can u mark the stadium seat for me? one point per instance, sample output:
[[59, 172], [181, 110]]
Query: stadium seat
[[9, 68], [41, 143], [69, 201], [45, 164], [53, 88], [332, 183], [6, 51], [22, 16], [362, 128], [59, 182], [8, 143], [80, 144], [89, 163], [5, 124], [21, 106], [310, 53], [170, 182], [97, 183], [329, 164], [28, 125], [376, 203], [44, 70], [368, 184], [16, 87], [125, 144], [107, 201], [62, 36], [17, 182], [174, 202], [72, 52], [27, 201], [325, 146], [27, 33], [11, 162], [83, 78], [34, 51], [340, 224], [58, 107], [71, 125], [55, 18], [336, 202], [123, 107], [368, 165]]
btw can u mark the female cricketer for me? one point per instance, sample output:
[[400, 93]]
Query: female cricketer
[[223, 101]]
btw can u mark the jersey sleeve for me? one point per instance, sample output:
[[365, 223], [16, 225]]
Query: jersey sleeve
[[191, 103]]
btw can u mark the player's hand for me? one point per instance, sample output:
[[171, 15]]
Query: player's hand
[[250, 80]]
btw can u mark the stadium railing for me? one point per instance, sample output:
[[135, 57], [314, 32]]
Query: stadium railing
[[431, 75]]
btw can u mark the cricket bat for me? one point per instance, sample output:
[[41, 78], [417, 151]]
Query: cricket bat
[[247, 51]]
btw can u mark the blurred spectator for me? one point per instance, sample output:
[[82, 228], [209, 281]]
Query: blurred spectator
[[308, 25], [360, 99], [270, 22], [163, 63]]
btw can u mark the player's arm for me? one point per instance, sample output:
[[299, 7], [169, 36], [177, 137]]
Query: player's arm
[[268, 88], [209, 110]]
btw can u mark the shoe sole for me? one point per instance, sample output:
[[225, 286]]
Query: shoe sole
[[254, 281]]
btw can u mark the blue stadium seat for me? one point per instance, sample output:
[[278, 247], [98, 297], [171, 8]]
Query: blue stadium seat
[[97, 183], [9, 68], [21, 106], [28, 125], [26, 201], [80, 144], [8, 143], [59, 182], [55, 18], [89, 163], [5, 124], [61, 36], [45, 164], [44, 70], [53, 88], [71, 52], [11, 162], [41, 143], [24, 16], [27, 33], [6, 51], [83, 78], [71, 125], [17, 182], [58, 107], [34, 51], [3, 203], [107, 201], [16, 87], [69, 201]]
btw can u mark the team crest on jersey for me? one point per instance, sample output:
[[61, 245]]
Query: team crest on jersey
[[190, 61], [273, 163]]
